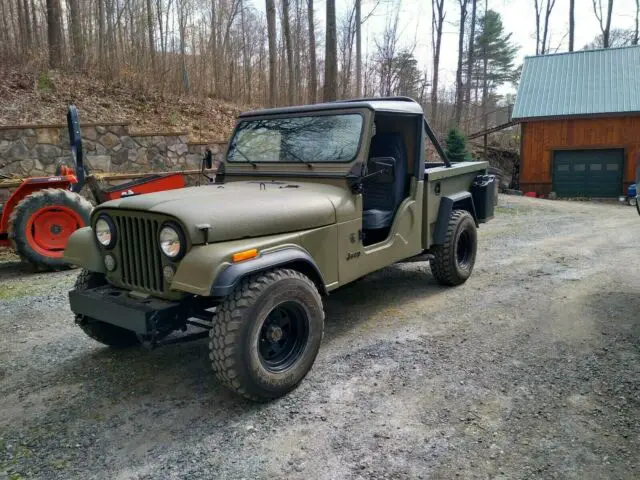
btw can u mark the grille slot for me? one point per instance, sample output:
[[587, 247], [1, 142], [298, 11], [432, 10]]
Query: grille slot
[[141, 263]]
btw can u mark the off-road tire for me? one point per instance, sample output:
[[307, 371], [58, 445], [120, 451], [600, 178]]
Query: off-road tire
[[234, 350], [30, 205], [104, 333], [446, 266]]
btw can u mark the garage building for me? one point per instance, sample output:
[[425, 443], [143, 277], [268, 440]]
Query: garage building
[[580, 118]]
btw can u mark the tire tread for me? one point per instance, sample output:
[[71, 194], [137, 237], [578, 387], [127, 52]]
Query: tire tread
[[228, 323]]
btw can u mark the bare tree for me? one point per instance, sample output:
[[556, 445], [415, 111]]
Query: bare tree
[[286, 31], [313, 80], [542, 30], [331, 55], [54, 33], [27, 24], [471, 51], [637, 32], [152, 43], [437, 22], [459, 83], [604, 21], [358, 8], [572, 23], [76, 33], [271, 29]]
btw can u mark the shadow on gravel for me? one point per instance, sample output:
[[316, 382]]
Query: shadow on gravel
[[130, 404], [387, 291], [12, 270], [183, 370]]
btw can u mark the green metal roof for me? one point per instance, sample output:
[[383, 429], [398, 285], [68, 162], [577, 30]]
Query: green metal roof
[[580, 83]]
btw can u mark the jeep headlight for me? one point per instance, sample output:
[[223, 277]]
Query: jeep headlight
[[105, 231], [172, 242]]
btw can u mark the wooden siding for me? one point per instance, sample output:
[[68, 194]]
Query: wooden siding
[[541, 138]]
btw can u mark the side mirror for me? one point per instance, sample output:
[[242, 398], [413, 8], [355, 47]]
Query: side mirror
[[207, 161], [383, 168]]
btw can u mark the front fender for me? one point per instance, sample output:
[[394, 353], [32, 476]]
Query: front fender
[[81, 250], [207, 270]]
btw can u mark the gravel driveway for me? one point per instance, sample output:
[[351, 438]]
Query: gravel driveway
[[529, 370]]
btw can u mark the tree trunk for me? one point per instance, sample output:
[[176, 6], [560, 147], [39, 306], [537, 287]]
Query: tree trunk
[[437, 23], [6, 47], [637, 32], [313, 79], [297, 56], [537, 7], [76, 34], [27, 25], [246, 63], [271, 31], [359, 48], [459, 83], [331, 55], [152, 42], [470, 51], [605, 22], [572, 23], [545, 33], [101, 49], [607, 30], [34, 24], [286, 31], [54, 33]]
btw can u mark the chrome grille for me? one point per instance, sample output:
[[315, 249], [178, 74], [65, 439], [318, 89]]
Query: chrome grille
[[140, 257]]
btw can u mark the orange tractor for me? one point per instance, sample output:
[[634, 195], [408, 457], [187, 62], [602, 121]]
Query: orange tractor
[[42, 212]]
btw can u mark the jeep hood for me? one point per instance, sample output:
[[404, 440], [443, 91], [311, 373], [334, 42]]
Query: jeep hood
[[242, 209]]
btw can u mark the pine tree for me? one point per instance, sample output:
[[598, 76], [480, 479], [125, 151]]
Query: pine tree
[[495, 54], [456, 146]]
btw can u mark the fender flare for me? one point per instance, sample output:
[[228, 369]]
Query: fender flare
[[457, 201], [292, 257]]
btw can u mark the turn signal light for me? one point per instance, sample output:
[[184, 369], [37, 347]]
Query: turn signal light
[[246, 255]]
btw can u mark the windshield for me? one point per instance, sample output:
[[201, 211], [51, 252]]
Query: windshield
[[319, 138]]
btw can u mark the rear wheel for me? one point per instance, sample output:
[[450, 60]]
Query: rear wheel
[[453, 261], [104, 333], [41, 224], [267, 333]]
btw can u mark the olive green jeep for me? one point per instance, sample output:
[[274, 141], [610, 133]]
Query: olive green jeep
[[307, 200]]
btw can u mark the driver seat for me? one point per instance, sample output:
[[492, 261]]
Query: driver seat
[[381, 200]]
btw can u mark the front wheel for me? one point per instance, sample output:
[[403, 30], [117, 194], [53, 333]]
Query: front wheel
[[267, 333], [453, 261]]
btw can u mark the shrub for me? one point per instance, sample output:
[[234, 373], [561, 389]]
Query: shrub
[[456, 146]]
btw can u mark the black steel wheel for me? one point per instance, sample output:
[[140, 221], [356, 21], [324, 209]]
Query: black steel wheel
[[267, 333], [453, 261], [284, 334]]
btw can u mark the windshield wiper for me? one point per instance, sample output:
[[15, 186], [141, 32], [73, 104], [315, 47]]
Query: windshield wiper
[[300, 159], [251, 162]]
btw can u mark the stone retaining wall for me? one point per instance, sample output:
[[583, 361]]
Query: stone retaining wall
[[36, 150]]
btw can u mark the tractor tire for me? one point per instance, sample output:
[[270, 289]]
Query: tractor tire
[[266, 334], [41, 223], [453, 261], [104, 333]]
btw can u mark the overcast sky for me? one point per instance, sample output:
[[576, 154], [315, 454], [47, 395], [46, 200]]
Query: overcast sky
[[518, 18]]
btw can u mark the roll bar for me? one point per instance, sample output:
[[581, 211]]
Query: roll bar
[[436, 144], [75, 141]]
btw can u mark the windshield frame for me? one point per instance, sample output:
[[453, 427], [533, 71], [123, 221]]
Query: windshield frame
[[325, 113]]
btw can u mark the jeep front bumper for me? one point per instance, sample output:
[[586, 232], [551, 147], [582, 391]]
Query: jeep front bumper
[[147, 316]]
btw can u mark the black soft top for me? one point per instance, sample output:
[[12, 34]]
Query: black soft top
[[378, 104]]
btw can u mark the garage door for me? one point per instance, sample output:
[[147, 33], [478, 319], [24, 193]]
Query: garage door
[[588, 173]]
